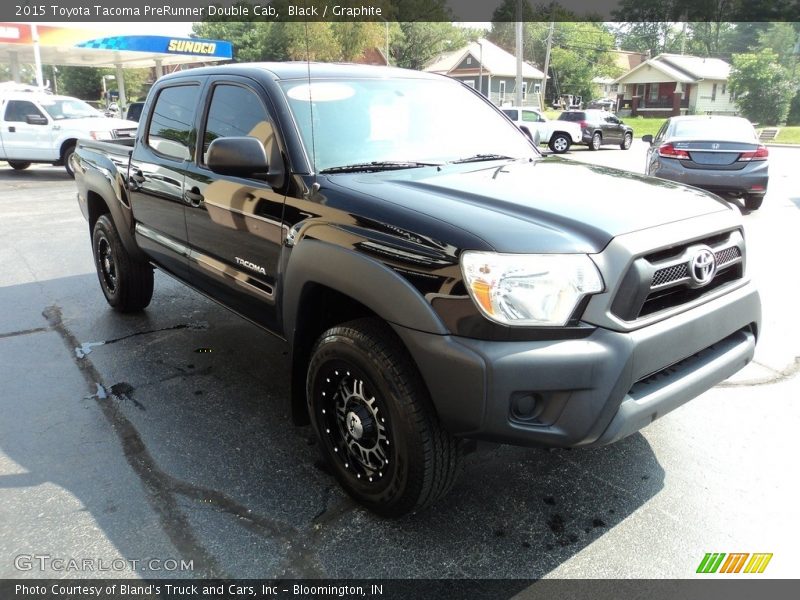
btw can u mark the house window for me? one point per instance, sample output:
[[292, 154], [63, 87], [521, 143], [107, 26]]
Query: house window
[[614, 88], [654, 91], [537, 88], [724, 86], [713, 92], [469, 60], [502, 91], [639, 89], [524, 91], [469, 83]]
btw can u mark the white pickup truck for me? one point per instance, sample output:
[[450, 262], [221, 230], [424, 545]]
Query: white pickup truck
[[558, 135], [41, 127]]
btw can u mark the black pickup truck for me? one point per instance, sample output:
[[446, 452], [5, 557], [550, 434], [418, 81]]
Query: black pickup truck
[[436, 278]]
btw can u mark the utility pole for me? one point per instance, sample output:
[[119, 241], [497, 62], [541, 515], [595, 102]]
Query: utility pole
[[519, 54], [546, 65]]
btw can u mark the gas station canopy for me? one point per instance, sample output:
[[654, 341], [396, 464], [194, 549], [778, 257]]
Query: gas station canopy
[[87, 48]]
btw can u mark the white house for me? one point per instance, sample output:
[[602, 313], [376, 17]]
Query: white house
[[487, 67], [674, 84]]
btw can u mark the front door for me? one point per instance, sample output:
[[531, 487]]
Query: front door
[[23, 140], [156, 173], [234, 223]]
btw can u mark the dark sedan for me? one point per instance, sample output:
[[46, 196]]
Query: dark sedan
[[599, 127], [718, 154]]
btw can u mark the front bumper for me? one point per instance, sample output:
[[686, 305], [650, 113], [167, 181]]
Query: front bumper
[[589, 391]]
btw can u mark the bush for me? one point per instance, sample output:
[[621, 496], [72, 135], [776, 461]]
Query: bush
[[763, 87]]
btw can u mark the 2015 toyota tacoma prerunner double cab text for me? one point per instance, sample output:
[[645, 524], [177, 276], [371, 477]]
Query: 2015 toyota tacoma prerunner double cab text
[[436, 278]]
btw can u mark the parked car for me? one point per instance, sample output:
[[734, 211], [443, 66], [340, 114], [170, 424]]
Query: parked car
[[716, 153], [434, 283], [599, 128], [43, 128], [607, 104], [558, 135]]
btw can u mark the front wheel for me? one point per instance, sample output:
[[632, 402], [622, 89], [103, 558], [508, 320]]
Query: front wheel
[[375, 420], [18, 165], [626, 141], [560, 143], [597, 141], [127, 283]]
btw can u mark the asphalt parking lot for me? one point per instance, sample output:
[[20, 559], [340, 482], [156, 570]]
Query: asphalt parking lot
[[165, 435]]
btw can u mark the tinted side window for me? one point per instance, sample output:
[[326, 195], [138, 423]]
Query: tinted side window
[[662, 131], [236, 111], [512, 114], [530, 116], [572, 116], [170, 131], [17, 110]]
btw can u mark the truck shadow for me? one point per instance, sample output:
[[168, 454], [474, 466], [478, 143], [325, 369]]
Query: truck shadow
[[199, 460]]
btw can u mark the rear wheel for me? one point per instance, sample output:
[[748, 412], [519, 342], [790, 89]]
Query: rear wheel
[[18, 165], [127, 283], [626, 141], [375, 421], [66, 157], [597, 141], [560, 143], [753, 201]]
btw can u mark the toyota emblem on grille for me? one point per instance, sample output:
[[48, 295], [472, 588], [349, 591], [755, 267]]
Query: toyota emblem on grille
[[703, 266]]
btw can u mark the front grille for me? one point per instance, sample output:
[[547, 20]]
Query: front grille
[[662, 280], [124, 133], [670, 274], [727, 255]]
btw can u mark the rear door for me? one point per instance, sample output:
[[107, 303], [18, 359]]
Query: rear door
[[158, 166], [24, 141], [235, 223]]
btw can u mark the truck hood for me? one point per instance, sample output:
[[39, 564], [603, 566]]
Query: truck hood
[[549, 205]]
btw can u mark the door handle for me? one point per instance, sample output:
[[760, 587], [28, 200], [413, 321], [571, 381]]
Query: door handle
[[12, 129], [193, 197]]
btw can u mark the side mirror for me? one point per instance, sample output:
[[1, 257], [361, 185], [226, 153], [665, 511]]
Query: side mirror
[[238, 156], [648, 139], [35, 120]]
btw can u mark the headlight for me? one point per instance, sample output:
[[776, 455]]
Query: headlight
[[529, 289], [100, 135]]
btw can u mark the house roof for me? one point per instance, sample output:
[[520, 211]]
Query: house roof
[[496, 61], [683, 68]]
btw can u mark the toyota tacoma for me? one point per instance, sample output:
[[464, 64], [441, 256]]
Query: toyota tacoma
[[434, 283]]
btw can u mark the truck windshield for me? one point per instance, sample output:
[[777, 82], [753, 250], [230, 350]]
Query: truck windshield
[[68, 108], [398, 120]]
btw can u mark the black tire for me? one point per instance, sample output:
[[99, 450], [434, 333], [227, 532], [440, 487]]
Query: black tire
[[596, 141], [126, 283], [627, 140], [394, 457], [65, 159], [560, 143], [18, 165], [753, 201]]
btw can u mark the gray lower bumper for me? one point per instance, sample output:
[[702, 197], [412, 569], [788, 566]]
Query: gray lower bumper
[[589, 391]]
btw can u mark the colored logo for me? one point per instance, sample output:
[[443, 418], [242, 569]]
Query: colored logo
[[741, 562]]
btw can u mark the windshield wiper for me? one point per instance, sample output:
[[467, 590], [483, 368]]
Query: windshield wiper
[[481, 157], [379, 165]]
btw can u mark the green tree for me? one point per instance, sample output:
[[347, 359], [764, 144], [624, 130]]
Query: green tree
[[420, 42], [763, 87]]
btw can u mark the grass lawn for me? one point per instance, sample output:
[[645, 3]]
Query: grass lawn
[[644, 125], [788, 135]]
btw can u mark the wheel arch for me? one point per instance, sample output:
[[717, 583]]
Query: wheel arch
[[326, 285]]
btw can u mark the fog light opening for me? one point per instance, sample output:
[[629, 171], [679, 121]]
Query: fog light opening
[[527, 406]]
